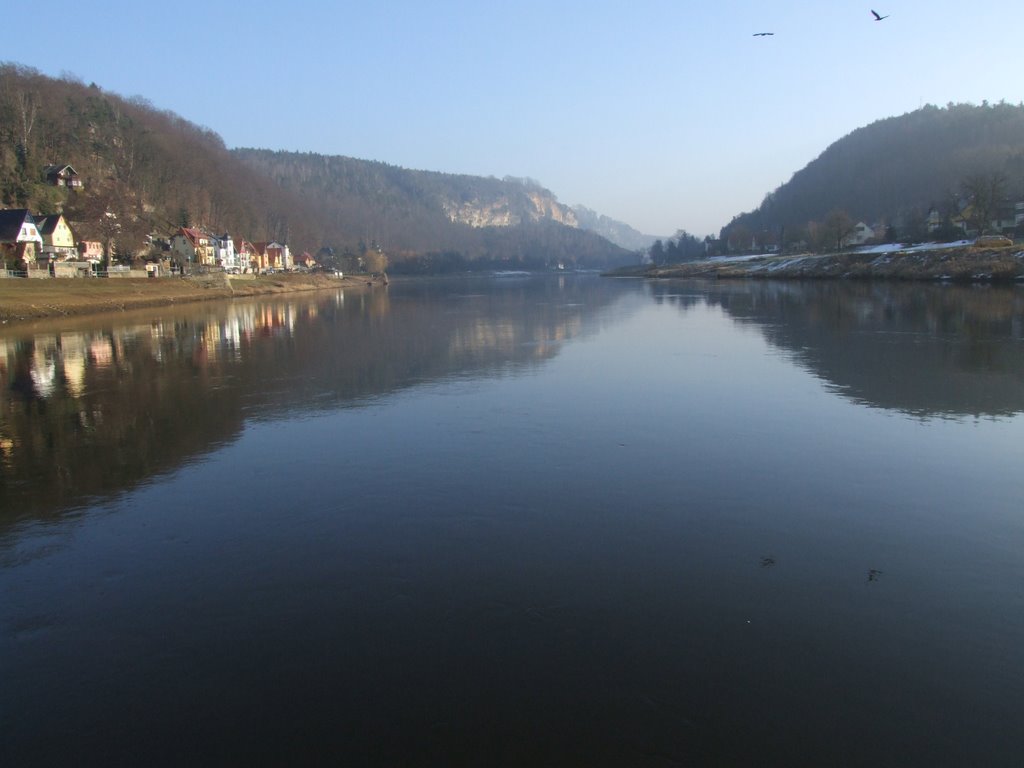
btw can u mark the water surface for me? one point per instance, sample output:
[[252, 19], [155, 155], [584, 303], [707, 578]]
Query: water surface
[[530, 520]]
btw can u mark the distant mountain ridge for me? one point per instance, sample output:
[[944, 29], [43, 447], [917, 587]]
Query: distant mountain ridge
[[411, 213], [894, 170], [616, 231], [147, 172]]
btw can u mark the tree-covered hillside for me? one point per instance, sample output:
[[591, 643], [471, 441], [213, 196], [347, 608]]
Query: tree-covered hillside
[[146, 172], [143, 170], [455, 219], [893, 171]]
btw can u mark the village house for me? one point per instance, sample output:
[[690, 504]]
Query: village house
[[20, 241], [282, 255], [246, 255], [861, 234], [58, 239], [259, 257], [224, 252], [1005, 218], [62, 176], [192, 246], [272, 256], [91, 250]]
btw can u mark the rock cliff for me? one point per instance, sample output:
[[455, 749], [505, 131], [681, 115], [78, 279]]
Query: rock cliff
[[510, 210]]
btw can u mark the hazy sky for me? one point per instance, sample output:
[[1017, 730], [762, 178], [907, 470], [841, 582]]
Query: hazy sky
[[665, 115]]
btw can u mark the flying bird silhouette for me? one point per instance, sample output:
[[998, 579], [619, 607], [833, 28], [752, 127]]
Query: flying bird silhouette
[[763, 34], [879, 18]]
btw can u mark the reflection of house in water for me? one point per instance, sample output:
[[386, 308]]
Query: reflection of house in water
[[101, 352], [276, 320], [128, 402], [73, 353], [43, 368], [6, 353]]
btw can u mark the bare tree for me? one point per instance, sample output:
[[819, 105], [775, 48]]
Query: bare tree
[[985, 193], [838, 227], [27, 110]]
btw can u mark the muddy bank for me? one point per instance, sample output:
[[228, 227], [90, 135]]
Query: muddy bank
[[24, 300], [961, 264]]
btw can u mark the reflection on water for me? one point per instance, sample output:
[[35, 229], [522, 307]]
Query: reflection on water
[[94, 411], [530, 521], [944, 350]]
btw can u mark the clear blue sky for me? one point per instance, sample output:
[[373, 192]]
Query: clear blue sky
[[665, 115]]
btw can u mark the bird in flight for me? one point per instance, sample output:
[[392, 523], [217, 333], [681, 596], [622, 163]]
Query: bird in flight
[[763, 34], [879, 18]]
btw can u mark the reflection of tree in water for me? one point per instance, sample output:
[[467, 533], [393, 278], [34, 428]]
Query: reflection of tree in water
[[926, 350], [91, 413]]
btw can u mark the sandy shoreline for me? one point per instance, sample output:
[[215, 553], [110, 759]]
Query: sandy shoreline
[[25, 301]]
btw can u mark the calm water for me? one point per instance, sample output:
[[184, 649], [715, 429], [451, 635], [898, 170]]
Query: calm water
[[519, 521]]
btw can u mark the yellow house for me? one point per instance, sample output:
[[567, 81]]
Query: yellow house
[[193, 246], [58, 239]]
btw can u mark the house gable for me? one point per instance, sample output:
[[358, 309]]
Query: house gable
[[56, 233], [18, 226], [62, 176], [57, 239], [20, 240]]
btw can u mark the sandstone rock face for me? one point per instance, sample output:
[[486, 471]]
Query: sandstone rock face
[[510, 210]]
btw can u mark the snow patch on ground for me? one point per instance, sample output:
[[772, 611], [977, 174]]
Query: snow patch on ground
[[730, 259], [892, 247], [883, 248]]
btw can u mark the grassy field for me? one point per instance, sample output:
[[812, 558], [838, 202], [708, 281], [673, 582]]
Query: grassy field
[[23, 300]]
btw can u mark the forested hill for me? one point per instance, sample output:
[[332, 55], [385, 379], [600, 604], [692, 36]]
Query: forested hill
[[452, 218], [894, 170], [146, 172]]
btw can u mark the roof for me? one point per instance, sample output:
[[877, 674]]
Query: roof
[[11, 221], [193, 235], [50, 170], [47, 224]]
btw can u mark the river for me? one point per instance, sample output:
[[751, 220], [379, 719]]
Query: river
[[519, 520]]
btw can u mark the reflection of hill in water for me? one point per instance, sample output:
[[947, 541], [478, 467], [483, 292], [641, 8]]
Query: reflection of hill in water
[[91, 413], [939, 350]]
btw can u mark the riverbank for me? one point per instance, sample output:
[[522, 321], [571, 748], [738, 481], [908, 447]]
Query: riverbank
[[961, 263], [24, 300]]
